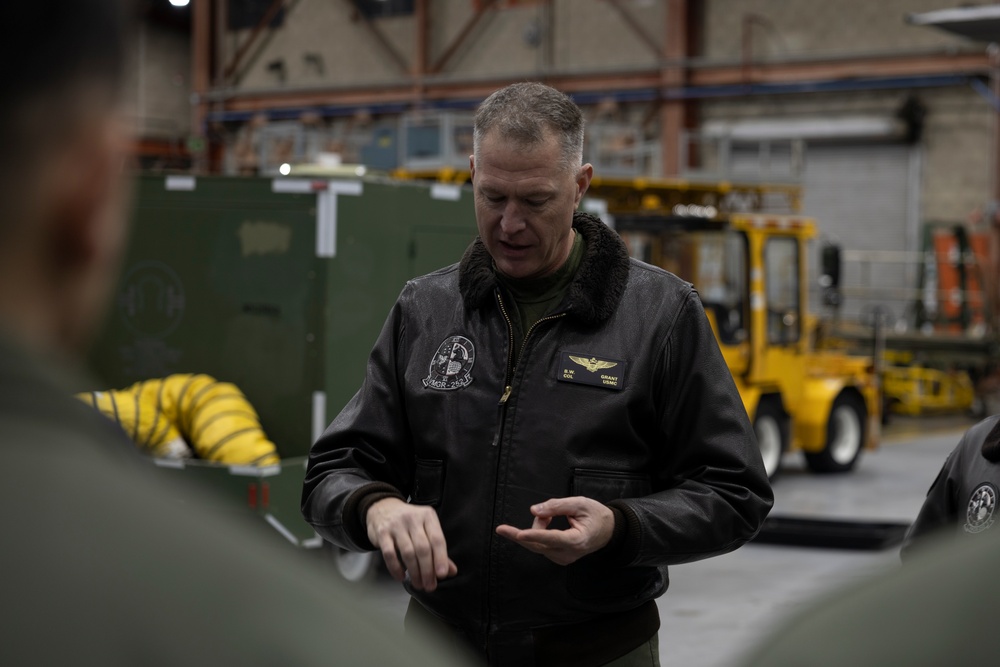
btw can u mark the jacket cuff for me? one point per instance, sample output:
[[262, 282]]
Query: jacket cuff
[[624, 545], [356, 510]]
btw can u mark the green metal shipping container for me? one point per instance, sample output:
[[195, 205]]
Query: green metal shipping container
[[279, 286]]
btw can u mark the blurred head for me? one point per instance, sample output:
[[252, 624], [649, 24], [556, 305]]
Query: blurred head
[[61, 157], [527, 177]]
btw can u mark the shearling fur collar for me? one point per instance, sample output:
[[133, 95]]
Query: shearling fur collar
[[595, 291]]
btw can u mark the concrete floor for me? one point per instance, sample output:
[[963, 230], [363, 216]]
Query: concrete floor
[[717, 608]]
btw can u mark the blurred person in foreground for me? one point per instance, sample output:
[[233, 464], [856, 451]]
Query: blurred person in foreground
[[962, 500], [101, 565], [938, 608], [543, 427]]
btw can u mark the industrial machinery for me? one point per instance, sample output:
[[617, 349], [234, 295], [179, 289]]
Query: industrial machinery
[[911, 388]]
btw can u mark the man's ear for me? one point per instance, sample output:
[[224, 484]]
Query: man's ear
[[84, 187], [472, 166], [583, 178]]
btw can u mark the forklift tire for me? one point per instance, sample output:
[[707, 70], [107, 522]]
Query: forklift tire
[[845, 436], [771, 428]]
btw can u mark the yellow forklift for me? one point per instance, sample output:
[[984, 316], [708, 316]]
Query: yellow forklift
[[751, 272]]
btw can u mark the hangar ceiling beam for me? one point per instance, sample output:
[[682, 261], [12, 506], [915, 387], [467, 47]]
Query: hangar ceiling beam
[[635, 26], [702, 80], [380, 37], [480, 11], [265, 20]]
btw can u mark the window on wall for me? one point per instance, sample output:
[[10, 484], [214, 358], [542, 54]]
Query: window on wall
[[781, 265], [377, 8]]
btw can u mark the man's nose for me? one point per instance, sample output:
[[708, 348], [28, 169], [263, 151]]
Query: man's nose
[[512, 220]]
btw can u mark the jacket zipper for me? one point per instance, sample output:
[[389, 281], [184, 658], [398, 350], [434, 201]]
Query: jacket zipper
[[508, 373], [501, 417], [508, 387]]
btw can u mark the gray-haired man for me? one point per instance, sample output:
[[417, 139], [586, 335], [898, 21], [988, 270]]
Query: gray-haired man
[[545, 426]]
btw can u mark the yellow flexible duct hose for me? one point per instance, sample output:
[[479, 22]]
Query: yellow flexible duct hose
[[214, 417]]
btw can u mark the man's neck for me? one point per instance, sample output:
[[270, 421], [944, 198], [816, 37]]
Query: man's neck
[[536, 286], [30, 316], [536, 297]]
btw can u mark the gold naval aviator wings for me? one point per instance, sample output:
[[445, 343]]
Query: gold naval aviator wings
[[582, 368], [593, 365]]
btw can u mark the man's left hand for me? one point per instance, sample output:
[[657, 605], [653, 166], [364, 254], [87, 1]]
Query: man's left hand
[[591, 526]]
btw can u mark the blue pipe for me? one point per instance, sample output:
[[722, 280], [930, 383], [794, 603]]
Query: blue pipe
[[836, 86], [648, 95], [986, 93]]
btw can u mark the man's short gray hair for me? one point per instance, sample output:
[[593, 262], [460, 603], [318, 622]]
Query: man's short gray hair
[[523, 112]]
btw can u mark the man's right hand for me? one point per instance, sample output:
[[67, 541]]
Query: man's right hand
[[411, 533]]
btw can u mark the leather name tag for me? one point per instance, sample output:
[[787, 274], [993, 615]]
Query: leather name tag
[[589, 369]]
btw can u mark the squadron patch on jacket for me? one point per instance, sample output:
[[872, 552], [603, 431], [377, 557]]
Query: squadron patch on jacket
[[588, 369], [982, 507], [451, 366]]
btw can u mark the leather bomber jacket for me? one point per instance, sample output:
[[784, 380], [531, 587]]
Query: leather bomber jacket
[[621, 395]]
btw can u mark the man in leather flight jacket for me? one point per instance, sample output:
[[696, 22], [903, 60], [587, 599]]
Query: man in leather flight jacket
[[543, 427]]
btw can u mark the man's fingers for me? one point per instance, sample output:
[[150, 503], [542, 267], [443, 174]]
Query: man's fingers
[[559, 507], [540, 539], [411, 541], [508, 532], [590, 527], [541, 542], [408, 552], [546, 539], [438, 548], [391, 558]]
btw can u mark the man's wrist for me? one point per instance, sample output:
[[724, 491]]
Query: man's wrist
[[357, 506], [366, 503], [617, 533]]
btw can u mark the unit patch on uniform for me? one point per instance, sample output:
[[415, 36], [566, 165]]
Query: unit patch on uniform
[[982, 507], [451, 366], [592, 370]]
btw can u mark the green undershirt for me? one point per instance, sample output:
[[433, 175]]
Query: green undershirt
[[534, 298]]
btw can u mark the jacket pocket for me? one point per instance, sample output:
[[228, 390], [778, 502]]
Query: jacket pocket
[[428, 482], [608, 485], [592, 578]]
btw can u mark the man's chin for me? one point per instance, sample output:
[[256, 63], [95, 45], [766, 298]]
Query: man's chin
[[515, 270]]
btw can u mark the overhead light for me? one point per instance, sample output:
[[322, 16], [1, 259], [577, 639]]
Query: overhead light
[[180, 3]]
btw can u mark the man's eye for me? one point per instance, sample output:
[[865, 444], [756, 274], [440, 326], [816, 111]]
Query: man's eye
[[534, 202]]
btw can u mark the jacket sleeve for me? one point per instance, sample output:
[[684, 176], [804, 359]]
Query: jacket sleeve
[[365, 449], [937, 511], [946, 503], [714, 491]]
